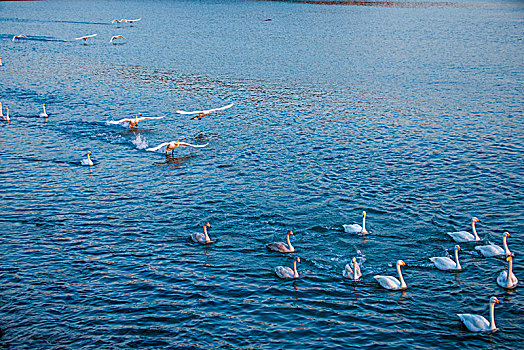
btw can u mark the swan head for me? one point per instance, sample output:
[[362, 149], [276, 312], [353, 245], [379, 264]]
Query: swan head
[[509, 258], [297, 259], [354, 260], [401, 263], [207, 224], [457, 247], [88, 152], [506, 234], [475, 219], [364, 213], [290, 232], [494, 300]]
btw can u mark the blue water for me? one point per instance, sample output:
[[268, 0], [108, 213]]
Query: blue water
[[412, 113]]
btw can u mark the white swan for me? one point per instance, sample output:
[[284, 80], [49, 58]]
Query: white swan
[[491, 250], [202, 114], [390, 282], [86, 37], [87, 161], [354, 273], [286, 272], [508, 282], [281, 246], [1, 112], [446, 263], [171, 146], [43, 114], [19, 37], [464, 236], [133, 121], [6, 117], [1, 65], [356, 228], [477, 323], [202, 238], [114, 37]]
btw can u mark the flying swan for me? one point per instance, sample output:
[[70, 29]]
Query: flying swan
[[390, 282], [464, 236], [133, 121], [114, 37], [87, 161], [86, 37], [356, 228], [354, 273], [171, 146], [286, 272], [477, 323], [202, 238], [202, 114], [19, 37], [281, 246], [492, 250], [446, 263], [508, 282]]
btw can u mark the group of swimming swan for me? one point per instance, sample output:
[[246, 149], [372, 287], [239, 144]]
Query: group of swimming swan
[[474, 323]]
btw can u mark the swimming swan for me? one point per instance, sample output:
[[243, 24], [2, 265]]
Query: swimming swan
[[43, 114], [390, 282], [464, 236], [202, 238], [503, 280], [354, 273], [281, 246], [446, 263], [356, 228], [491, 250], [477, 323], [87, 161], [286, 272]]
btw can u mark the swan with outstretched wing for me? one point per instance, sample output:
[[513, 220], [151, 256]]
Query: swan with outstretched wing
[[172, 145], [202, 114], [133, 121]]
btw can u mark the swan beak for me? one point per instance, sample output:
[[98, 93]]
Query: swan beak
[[507, 234], [476, 220], [402, 263], [363, 213], [496, 300], [458, 247], [298, 258]]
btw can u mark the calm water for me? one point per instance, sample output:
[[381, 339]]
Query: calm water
[[412, 113]]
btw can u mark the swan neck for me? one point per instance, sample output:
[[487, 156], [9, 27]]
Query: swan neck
[[364, 224], [509, 282], [457, 259], [289, 242], [506, 249], [477, 238], [44, 109], [492, 315], [205, 234], [402, 282], [295, 269]]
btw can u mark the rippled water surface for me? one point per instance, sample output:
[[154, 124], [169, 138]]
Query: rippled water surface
[[411, 113]]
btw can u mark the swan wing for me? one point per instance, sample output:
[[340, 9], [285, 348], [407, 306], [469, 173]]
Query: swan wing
[[185, 144], [474, 323], [348, 272], [149, 118], [126, 120], [284, 272], [388, 282], [461, 236], [358, 273], [198, 237], [279, 247], [87, 36], [205, 111], [490, 250], [353, 228], [152, 149], [443, 263], [134, 20]]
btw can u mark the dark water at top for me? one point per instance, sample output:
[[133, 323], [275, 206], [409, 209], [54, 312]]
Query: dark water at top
[[412, 113]]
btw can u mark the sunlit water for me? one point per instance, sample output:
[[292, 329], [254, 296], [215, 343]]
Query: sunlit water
[[412, 113]]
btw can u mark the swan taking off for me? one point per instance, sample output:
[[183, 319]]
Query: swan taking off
[[390, 282], [18, 37], [133, 121], [202, 114], [281, 246], [507, 279], [171, 146], [131, 20], [477, 323], [356, 228], [202, 238], [86, 37], [464, 236], [114, 37], [446, 263], [87, 161], [286, 272], [43, 114], [492, 250], [354, 273]]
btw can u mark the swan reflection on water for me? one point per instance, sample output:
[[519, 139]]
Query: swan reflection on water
[[175, 162]]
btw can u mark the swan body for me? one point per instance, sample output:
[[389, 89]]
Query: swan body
[[390, 282], [87, 161], [133, 121], [446, 263], [503, 280], [464, 236], [86, 37], [172, 145], [202, 238], [477, 323], [354, 273], [202, 114], [114, 37], [43, 114], [281, 246], [356, 228], [492, 250], [19, 37], [286, 272]]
